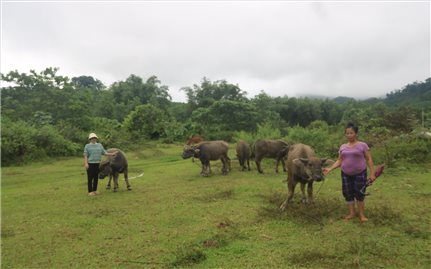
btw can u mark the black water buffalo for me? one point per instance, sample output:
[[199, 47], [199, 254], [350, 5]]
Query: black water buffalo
[[209, 151], [276, 149], [113, 166], [243, 154], [305, 167]]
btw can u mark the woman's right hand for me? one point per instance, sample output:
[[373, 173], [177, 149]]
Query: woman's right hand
[[326, 171], [86, 166]]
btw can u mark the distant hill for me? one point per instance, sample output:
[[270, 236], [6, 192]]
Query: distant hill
[[343, 99], [415, 95]]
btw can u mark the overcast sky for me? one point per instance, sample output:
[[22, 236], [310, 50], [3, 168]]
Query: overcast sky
[[283, 48]]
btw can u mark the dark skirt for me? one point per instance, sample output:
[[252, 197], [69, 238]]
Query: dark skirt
[[352, 186]]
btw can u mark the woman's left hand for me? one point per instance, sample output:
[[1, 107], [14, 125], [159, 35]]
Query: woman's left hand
[[372, 178]]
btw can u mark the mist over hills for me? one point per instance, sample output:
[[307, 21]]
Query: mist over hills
[[416, 94]]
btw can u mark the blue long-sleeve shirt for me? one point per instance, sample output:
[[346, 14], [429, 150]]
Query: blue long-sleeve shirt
[[94, 152]]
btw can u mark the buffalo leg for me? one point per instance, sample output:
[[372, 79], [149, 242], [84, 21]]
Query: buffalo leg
[[291, 190], [206, 169], [115, 181], [304, 198], [310, 192], [126, 178], [224, 164], [248, 164], [283, 163], [259, 169], [241, 162], [108, 187], [203, 168], [276, 165]]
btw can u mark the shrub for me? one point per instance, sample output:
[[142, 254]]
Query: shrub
[[17, 145], [316, 137], [22, 143]]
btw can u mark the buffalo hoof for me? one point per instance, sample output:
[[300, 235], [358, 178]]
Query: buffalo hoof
[[108, 187], [129, 188], [284, 206], [115, 190]]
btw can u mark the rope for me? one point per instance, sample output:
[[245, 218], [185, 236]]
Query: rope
[[140, 175]]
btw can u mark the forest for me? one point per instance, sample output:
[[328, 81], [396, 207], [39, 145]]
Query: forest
[[45, 115]]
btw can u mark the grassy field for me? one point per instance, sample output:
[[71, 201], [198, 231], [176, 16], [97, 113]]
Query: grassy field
[[173, 217]]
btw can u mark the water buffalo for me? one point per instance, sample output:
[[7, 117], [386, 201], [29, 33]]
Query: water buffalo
[[209, 151], [276, 149], [195, 139], [243, 154], [305, 167], [113, 166]]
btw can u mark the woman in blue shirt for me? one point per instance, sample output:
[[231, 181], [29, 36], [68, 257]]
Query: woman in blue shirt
[[93, 152]]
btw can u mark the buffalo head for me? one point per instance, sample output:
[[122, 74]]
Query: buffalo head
[[311, 169], [190, 151], [104, 169]]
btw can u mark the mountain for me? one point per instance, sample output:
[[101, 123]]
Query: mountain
[[415, 95]]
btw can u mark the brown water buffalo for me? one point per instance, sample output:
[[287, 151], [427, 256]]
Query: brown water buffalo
[[243, 154], [209, 151], [195, 139], [265, 148], [305, 167], [113, 166]]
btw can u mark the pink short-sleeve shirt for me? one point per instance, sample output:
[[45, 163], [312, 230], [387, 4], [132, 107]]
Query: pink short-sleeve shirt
[[353, 158]]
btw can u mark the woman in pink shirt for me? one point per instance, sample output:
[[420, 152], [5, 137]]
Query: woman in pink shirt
[[353, 158]]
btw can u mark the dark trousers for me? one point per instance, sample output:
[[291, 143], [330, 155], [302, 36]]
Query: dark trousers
[[93, 176]]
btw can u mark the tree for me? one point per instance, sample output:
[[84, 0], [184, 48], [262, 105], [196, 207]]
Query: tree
[[209, 92], [146, 120], [149, 92], [88, 82], [224, 117]]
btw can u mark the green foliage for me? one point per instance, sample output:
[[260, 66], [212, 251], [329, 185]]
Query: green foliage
[[217, 110], [174, 131], [209, 92], [416, 95], [16, 142], [22, 143], [317, 137], [146, 120], [407, 148], [264, 131], [225, 117]]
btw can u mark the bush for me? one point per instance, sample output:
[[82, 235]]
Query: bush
[[317, 137], [22, 143], [17, 145]]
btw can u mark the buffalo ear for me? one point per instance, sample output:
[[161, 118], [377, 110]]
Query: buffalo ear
[[327, 162]]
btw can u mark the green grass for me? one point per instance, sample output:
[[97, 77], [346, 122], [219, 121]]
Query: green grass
[[173, 217]]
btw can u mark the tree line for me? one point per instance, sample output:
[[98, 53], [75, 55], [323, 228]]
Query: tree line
[[48, 115]]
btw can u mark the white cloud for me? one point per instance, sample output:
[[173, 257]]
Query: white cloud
[[284, 48]]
